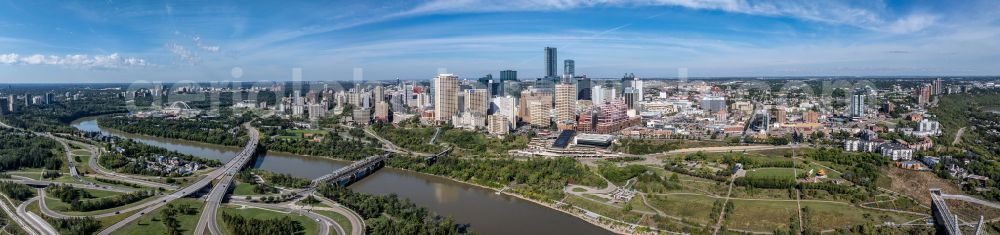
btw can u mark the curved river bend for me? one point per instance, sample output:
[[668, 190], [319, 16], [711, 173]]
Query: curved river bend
[[487, 212]]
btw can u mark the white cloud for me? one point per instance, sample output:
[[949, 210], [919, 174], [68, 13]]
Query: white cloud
[[830, 12], [79, 61], [183, 53], [203, 46]]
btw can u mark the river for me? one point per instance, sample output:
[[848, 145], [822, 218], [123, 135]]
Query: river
[[485, 211]]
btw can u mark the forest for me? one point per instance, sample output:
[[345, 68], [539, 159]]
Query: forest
[[17, 191], [238, 224], [541, 178], [222, 130], [24, 149]]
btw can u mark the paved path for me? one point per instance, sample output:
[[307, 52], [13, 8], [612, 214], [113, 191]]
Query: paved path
[[958, 136]]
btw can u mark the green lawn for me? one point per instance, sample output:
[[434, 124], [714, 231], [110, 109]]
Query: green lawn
[[80, 152], [243, 189], [309, 225], [64, 208], [152, 223], [761, 215], [60, 206], [337, 217], [693, 208], [771, 172]]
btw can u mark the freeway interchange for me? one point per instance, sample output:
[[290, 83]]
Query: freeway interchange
[[221, 179]]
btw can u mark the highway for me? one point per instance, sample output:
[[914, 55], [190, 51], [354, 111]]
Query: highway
[[17, 217], [215, 197], [229, 169], [36, 222], [43, 183], [357, 223]]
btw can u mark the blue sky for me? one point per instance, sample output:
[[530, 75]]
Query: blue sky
[[125, 41]]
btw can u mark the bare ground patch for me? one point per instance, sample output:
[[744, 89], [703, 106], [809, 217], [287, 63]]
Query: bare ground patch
[[917, 184]]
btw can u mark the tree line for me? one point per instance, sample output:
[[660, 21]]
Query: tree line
[[391, 215], [541, 178], [238, 224], [25, 149]]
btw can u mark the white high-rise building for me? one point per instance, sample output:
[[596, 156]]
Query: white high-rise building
[[506, 107], [857, 104], [445, 97]]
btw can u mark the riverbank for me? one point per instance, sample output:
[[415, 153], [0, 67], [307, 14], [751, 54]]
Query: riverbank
[[465, 201]]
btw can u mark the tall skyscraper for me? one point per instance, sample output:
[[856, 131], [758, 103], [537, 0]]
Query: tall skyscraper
[[858, 104], [938, 88], [569, 68], [477, 101], [630, 80], [445, 97], [550, 62], [508, 75], [11, 105], [583, 88], [565, 104]]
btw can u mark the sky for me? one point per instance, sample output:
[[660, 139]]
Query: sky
[[125, 41]]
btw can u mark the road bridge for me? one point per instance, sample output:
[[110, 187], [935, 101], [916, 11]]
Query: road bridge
[[945, 220], [231, 167]]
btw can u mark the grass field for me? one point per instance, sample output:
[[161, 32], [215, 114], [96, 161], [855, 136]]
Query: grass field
[[243, 189], [694, 208], [309, 225], [761, 215], [152, 223], [65, 207], [337, 217], [771, 172]]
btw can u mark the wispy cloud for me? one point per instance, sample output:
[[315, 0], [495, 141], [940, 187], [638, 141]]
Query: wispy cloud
[[831, 12], [182, 52], [79, 61]]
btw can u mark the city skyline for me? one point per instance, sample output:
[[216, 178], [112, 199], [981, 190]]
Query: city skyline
[[124, 42]]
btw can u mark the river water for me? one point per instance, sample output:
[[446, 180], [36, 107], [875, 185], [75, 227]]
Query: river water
[[486, 212]]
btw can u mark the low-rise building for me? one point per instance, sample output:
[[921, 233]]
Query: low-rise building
[[897, 152]]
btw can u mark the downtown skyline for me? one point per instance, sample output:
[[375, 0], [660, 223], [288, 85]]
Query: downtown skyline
[[174, 41]]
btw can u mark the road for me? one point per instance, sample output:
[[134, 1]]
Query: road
[[36, 222], [231, 167], [43, 183], [392, 146], [357, 223], [69, 157], [17, 217], [215, 197], [323, 221]]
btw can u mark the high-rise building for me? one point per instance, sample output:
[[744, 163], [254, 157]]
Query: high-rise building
[[565, 104], [923, 94], [938, 87], [583, 88], [497, 125], [11, 105], [382, 111], [630, 80], [569, 68], [49, 97], [713, 104], [445, 97], [779, 114], [477, 101], [27, 100], [506, 107], [538, 114], [631, 97], [550, 62], [508, 75], [379, 93], [857, 104]]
